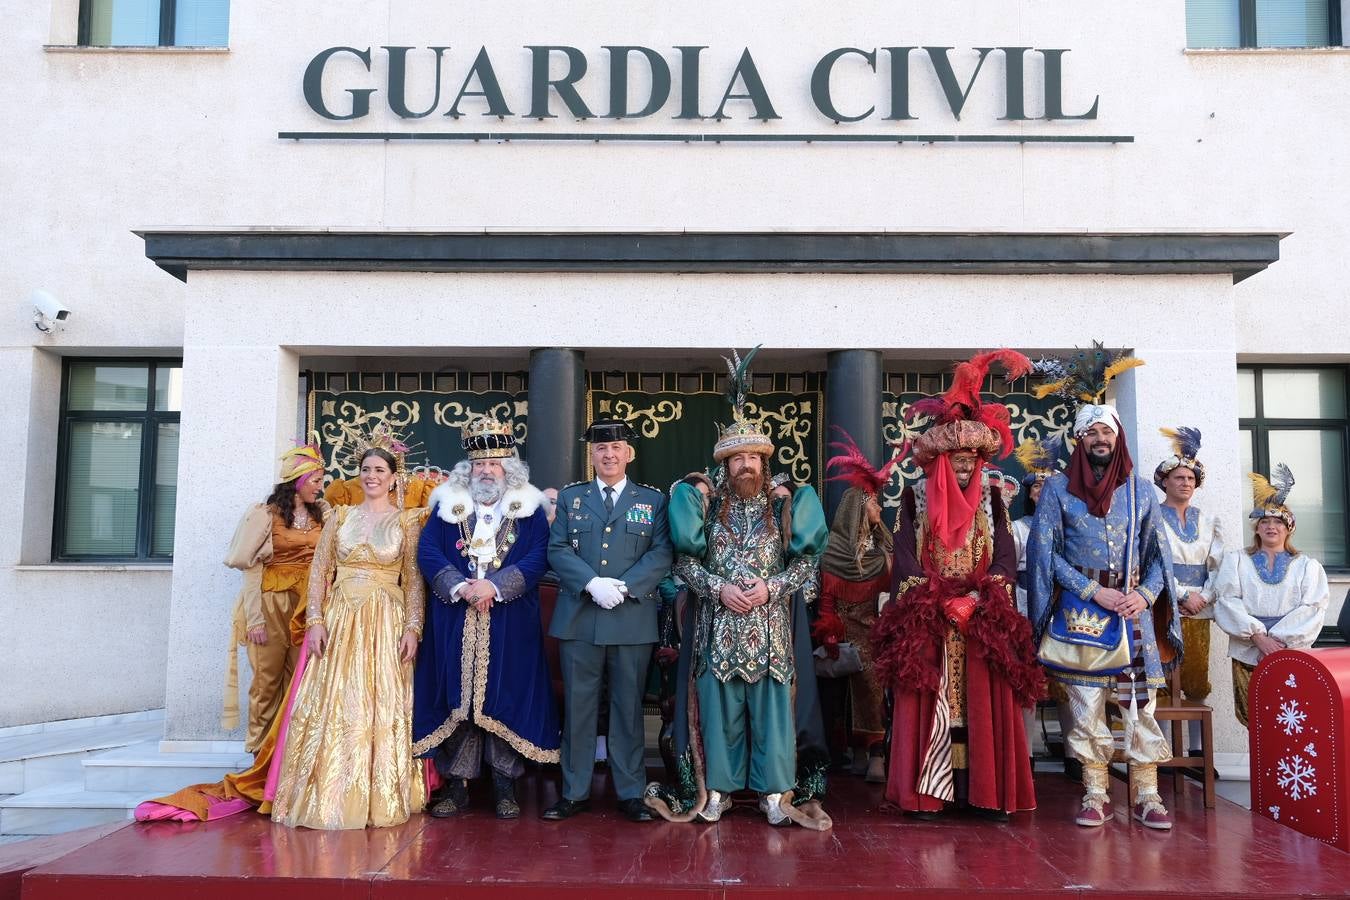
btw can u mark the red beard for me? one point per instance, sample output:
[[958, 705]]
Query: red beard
[[747, 484]]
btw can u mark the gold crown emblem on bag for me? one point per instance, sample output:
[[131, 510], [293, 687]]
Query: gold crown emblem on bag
[[486, 438], [1086, 622]]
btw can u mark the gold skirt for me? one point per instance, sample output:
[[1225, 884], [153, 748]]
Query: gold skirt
[[348, 759]]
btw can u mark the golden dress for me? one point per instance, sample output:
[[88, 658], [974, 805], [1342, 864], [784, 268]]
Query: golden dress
[[348, 759]]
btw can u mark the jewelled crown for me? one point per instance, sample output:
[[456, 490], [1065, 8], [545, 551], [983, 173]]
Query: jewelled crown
[[741, 435], [486, 438]]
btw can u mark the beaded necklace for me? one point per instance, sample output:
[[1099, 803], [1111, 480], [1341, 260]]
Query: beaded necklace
[[504, 541]]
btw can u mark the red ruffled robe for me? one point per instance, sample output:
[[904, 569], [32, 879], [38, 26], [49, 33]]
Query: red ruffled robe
[[1002, 675]]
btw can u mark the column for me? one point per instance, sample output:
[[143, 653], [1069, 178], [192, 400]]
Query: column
[[557, 416], [853, 403], [239, 414]]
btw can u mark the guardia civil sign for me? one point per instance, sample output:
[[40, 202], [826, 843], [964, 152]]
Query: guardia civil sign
[[458, 86]]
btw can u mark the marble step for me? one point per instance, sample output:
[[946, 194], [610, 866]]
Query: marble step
[[145, 715], [144, 767], [66, 806], [31, 760]]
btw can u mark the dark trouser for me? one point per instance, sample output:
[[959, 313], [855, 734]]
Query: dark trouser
[[462, 754], [584, 668]]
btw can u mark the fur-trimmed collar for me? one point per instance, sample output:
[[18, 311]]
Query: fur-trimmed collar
[[453, 503]]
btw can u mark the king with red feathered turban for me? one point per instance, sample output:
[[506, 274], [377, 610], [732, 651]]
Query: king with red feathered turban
[[951, 643]]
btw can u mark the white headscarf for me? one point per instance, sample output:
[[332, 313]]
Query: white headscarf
[[1090, 414]]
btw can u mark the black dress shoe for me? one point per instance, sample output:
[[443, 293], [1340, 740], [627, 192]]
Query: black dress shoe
[[635, 810], [923, 815], [990, 815], [565, 809]]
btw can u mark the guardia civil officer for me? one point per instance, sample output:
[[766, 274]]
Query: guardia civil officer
[[609, 546]]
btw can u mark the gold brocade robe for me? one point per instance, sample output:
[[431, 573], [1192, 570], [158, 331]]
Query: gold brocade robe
[[348, 759]]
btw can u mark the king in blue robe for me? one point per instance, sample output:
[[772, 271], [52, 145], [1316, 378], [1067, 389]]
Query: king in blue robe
[[481, 689]]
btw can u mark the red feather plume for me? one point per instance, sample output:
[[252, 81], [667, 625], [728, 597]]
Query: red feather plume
[[855, 468], [962, 399]]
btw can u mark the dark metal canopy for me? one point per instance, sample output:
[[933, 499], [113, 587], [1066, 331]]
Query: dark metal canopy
[[1240, 254]]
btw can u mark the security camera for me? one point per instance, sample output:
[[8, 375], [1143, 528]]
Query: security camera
[[47, 311]]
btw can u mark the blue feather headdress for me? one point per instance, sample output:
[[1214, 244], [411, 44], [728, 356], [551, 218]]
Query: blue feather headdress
[[1185, 450], [1040, 458]]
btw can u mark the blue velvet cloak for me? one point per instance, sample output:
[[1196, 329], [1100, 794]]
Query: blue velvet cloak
[[489, 670]]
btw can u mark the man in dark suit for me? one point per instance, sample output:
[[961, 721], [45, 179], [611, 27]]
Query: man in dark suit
[[609, 546]]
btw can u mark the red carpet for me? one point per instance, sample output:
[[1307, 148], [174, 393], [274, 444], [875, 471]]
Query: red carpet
[[1226, 852]]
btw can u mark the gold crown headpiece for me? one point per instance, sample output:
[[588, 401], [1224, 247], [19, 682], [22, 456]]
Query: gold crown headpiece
[[486, 438], [372, 434]]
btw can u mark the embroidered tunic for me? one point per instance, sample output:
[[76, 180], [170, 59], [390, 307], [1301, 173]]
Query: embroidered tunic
[[752, 644], [1067, 539], [1197, 553], [1288, 602]]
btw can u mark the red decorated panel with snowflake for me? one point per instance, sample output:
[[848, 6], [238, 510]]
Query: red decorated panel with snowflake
[[1298, 707]]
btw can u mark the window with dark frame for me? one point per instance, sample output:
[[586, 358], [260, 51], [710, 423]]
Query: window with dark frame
[[1214, 24], [154, 23], [117, 460], [1300, 416]]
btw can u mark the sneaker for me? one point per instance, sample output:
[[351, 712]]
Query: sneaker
[[876, 769], [1152, 814], [1093, 813], [771, 806], [717, 804]]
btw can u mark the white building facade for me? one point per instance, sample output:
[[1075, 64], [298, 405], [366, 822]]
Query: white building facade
[[917, 181]]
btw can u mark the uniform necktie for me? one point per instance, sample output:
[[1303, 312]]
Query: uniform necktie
[[609, 499]]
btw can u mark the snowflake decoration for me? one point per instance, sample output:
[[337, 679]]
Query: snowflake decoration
[[1291, 681], [1291, 718], [1310, 750], [1296, 777], [1275, 813]]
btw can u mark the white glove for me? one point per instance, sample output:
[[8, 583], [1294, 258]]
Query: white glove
[[606, 592]]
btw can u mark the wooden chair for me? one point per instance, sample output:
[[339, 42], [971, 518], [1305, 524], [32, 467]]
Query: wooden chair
[[1174, 710]]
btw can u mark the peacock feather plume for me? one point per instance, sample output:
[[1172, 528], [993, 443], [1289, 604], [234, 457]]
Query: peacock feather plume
[[1084, 376]]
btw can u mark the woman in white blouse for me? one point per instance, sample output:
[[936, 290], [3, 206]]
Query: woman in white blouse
[[1270, 596]]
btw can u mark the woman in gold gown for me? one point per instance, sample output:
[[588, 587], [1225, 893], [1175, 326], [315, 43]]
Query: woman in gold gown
[[347, 760]]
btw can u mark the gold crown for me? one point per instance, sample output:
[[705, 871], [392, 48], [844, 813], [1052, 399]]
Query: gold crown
[[485, 426], [486, 438], [1086, 622]]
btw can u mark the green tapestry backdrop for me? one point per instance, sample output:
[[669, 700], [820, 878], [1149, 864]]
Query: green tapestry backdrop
[[677, 430], [430, 422], [1031, 419]]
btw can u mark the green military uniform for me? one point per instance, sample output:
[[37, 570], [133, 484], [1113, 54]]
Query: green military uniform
[[630, 543]]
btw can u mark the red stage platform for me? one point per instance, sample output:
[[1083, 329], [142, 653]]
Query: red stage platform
[[1226, 852]]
